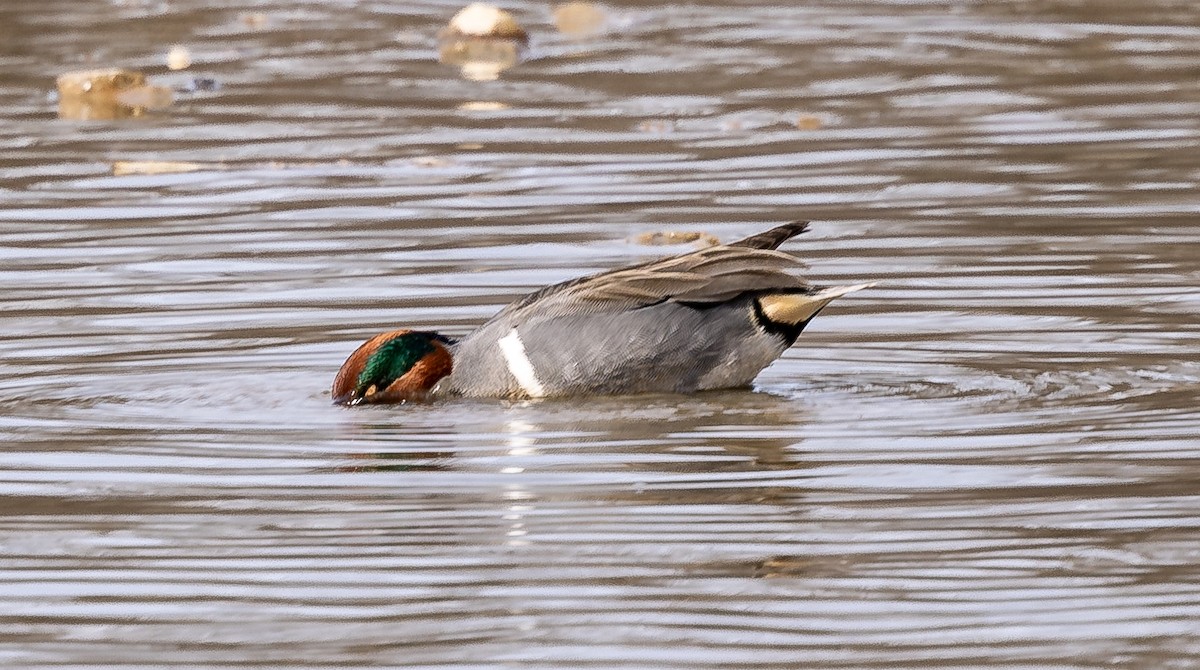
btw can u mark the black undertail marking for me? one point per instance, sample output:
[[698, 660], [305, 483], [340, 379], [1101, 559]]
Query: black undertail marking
[[785, 331]]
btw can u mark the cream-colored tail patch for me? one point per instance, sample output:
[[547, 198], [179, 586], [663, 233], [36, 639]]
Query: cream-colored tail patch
[[794, 308]]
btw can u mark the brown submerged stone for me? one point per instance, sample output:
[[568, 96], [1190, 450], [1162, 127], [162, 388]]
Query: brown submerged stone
[[108, 94]]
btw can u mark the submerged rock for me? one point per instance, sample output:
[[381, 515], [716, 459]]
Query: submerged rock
[[482, 20], [179, 58], [580, 19], [199, 85], [482, 41], [108, 94], [120, 168], [668, 237], [98, 82]]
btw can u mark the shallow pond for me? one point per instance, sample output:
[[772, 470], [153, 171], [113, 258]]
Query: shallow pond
[[989, 460]]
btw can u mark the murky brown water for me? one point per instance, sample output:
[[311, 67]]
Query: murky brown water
[[991, 460]]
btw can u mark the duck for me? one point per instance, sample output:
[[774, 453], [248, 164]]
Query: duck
[[710, 319]]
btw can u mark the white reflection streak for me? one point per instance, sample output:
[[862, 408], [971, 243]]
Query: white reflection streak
[[519, 445]]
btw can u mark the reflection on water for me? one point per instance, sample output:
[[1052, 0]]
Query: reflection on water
[[988, 461]]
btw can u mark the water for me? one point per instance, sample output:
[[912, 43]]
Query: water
[[986, 461]]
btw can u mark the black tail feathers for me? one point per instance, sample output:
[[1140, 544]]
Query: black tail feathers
[[774, 237]]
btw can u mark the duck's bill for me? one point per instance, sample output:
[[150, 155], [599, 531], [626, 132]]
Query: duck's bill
[[347, 399]]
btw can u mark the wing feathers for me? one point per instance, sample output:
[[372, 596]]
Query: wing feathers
[[711, 275]]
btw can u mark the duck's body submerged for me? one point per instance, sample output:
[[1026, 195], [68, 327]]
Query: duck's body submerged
[[711, 319]]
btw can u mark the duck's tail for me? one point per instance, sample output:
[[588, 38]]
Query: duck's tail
[[774, 237], [788, 313]]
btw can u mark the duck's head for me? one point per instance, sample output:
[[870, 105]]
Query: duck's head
[[393, 367]]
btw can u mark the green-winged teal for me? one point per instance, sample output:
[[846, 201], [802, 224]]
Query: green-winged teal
[[709, 319]]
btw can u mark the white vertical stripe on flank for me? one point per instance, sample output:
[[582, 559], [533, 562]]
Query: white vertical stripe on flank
[[519, 365]]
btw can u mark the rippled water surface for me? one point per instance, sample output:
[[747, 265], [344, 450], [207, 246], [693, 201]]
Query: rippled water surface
[[989, 460]]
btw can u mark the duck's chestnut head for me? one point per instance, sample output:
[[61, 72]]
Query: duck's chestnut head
[[393, 367]]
